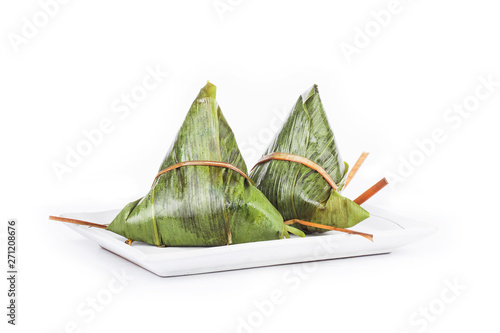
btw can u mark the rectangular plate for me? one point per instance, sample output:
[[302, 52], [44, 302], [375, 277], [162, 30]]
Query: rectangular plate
[[389, 232]]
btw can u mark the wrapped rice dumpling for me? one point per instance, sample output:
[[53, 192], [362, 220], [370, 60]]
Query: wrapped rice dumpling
[[201, 195], [302, 172]]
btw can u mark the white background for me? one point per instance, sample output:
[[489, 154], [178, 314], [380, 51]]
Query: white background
[[395, 91]]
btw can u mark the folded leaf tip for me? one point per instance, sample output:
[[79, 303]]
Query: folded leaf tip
[[310, 92], [208, 91]]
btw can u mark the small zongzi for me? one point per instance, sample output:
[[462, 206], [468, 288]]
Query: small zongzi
[[303, 174]]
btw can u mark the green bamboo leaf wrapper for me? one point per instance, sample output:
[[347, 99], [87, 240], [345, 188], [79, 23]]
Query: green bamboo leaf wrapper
[[297, 191], [201, 205]]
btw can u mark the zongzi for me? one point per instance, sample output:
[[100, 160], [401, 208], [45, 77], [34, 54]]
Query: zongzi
[[303, 174], [201, 195]]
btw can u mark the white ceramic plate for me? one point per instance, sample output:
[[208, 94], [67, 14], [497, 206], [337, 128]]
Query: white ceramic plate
[[389, 232]]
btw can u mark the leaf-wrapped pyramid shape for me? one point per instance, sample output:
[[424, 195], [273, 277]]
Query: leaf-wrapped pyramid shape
[[297, 191], [201, 205]]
